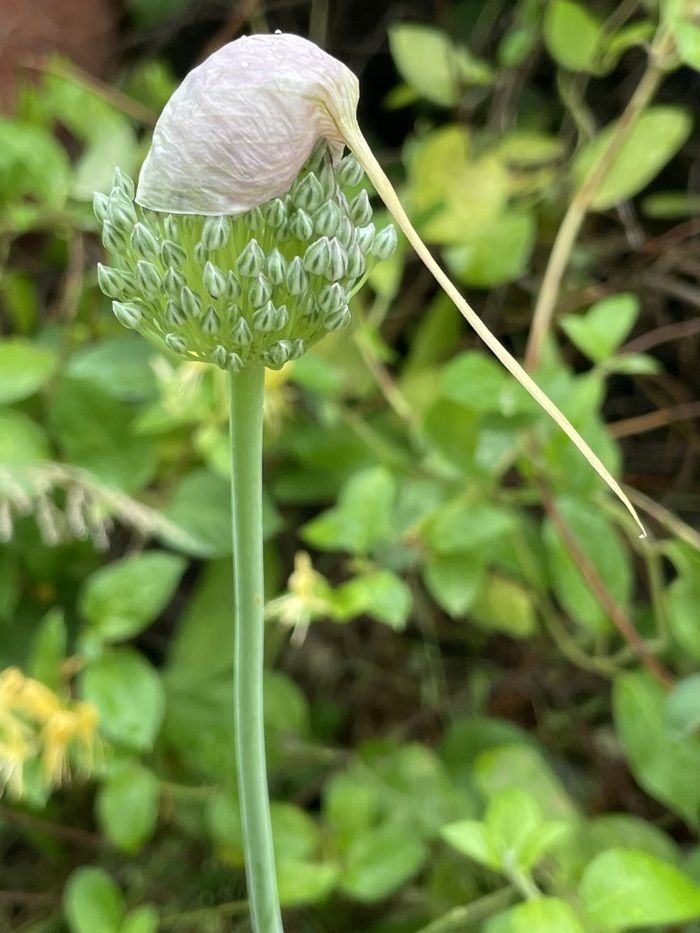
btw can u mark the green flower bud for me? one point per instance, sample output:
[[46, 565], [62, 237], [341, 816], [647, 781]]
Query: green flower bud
[[210, 323], [176, 343], [308, 194], [113, 238], [301, 226], [361, 209], [219, 356], [114, 283], [318, 157], [298, 348], [234, 363], [127, 313], [173, 282], [215, 233], [252, 260], [331, 298], [144, 243], [346, 232], [356, 262], [278, 354], [100, 206], [269, 318], [337, 260], [231, 314], [259, 292], [122, 214], [327, 219], [327, 179], [233, 289], [172, 228], [171, 254], [214, 280], [385, 243], [365, 237], [124, 183], [350, 172], [201, 254], [311, 310], [276, 268], [241, 334], [317, 256], [254, 219], [148, 278], [337, 320], [190, 303], [275, 213], [296, 280], [173, 315]]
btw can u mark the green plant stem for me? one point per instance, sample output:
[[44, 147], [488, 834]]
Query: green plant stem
[[581, 202], [460, 919], [247, 393]]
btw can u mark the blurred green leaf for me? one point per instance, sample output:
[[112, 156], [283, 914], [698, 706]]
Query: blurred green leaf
[[654, 139], [504, 605], [572, 35], [683, 706], [460, 526], [600, 331], [118, 366], [143, 919], [380, 861], [127, 806], [24, 368], [496, 254], [671, 205], [623, 889], [381, 595], [32, 164], [545, 915], [92, 902], [22, 440], [454, 580], [523, 767]]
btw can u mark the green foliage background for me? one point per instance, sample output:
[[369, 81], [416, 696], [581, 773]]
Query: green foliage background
[[483, 711]]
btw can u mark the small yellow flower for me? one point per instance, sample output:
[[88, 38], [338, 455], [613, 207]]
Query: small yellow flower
[[16, 748], [308, 597]]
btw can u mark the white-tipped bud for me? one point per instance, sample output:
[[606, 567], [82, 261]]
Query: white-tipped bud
[[173, 282], [308, 194], [100, 206], [297, 279], [122, 213], [331, 298], [214, 280], [385, 243], [297, 349], [337, 320], [215, 233], [144, 243], [346, 232], [327, 179], [301, 226], [148, 278], [255, 219], [122, 181], [127, 313], [219, 355], [113, 238], [317, 257], [350, 172], [173, 315], [190, 303], [172, 255], [210, 322], [234, 363], [337, 260], [231, 314], [269, 318], [365, 237], [327, 219], [172, 228], [176, 343], [361, 209], [259, 292], [356, 262], [251, 262], [114, 283], [278, 354], [276, 268], [275, 213], [233, 287], [241, 334]]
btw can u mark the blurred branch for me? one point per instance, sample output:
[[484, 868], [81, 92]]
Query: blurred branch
[[654, 419], [460, 918], [318, 22], [584, 197]]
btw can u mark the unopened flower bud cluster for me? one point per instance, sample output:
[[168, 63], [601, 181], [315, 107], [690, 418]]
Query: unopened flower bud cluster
[[262, 286]]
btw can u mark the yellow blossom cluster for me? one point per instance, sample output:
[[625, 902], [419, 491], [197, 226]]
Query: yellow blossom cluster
[[35, 722], [307, 598]]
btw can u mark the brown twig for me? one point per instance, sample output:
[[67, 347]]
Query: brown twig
[[71, 834], [597, 586], [654, 419]]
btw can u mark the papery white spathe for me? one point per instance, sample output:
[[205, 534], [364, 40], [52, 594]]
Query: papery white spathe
[[238, 130], [241, 125]]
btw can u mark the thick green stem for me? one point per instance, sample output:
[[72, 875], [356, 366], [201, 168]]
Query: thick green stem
[[247, 392]]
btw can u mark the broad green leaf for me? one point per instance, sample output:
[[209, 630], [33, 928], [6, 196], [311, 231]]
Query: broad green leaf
[[629, 832], [665, 765], [454, 580], [545, 915], [683, 706], [496, 254], [427, 59], [453, 432], [142, 919], [623, 889], [476, 381], [572, 35], [362, 518], [305, 882], [351, 804], [127, 806], [654, 139], [49, 650], [32, 163], [381, 594], [22, 440], [118, 366], [683, 600], [468, 737], [122, 598], [474, 839], [128, 695], [505, 605], [24, 368], [96, 432], [671, 205], [522, 767], [460, 526], [597, 538], [92, 902], [687, 36], [381, 861], [296, 835], [600, 331], [223, 822]]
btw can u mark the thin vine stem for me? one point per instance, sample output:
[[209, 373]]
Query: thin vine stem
[[247, 394], [580, 204]]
